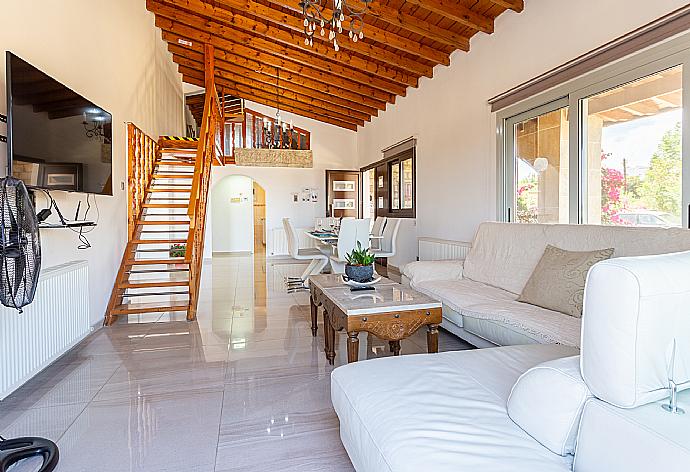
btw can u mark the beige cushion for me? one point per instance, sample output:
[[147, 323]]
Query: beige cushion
[[558, 281]]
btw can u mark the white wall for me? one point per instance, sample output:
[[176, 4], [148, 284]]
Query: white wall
[[233, 215], [333, 147], [450, 117], [111, 53]]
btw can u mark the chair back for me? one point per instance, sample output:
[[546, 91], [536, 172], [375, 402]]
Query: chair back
[[390, 236], [351, 232], [292, 240], [379, 224]]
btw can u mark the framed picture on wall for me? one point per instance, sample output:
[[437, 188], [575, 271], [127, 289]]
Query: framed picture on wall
[[344, 203], [380, 181], [343, 186]]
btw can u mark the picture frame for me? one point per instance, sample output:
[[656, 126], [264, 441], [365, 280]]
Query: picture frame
[[344, 185], [343, 203]]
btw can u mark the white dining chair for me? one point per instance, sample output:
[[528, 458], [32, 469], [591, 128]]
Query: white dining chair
[[389, 242], [351, 232], [377, 230], [318, 259]]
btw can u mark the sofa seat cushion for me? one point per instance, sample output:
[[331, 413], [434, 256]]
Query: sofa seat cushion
[[462, 293], [442, 412], [542, 325]]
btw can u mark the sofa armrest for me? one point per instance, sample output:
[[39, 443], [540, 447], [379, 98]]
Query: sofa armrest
[[423, 271]]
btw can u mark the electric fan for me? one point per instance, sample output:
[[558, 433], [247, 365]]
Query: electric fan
[[20, 263], [20, 248]]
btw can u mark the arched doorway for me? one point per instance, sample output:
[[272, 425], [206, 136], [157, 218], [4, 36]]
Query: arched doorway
[[238, 215]]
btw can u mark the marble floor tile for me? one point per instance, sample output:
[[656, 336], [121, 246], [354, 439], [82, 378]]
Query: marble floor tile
[[167, 432], [244, 388]]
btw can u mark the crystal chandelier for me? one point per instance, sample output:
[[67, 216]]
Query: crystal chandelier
[[314, 18]]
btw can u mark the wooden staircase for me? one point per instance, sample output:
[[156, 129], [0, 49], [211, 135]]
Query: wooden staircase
[[168, 189], [149, 280]]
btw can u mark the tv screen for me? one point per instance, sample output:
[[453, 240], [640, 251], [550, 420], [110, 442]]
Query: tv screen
[[57, 139]]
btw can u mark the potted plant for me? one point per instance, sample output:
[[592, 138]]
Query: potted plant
[[178, 250], [360, 264]]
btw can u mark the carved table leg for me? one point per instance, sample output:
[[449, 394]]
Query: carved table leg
[[395, 347], [432, 338], [314, 312], [329, 334], [352, 346]]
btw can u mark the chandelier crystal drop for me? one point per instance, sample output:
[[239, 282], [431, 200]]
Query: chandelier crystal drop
[[315, 17]]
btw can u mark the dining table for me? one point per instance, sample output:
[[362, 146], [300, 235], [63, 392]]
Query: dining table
[[330, 238]]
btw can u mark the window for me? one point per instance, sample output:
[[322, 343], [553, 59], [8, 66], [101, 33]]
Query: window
[[406, 185], [603, 149], [634, 162], [539, 165], [395, 185], [391, 188]]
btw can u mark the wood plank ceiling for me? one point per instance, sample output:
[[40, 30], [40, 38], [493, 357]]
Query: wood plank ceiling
[[261, 55]]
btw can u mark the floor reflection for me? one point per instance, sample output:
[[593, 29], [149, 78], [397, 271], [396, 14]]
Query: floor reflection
[[245, 387]]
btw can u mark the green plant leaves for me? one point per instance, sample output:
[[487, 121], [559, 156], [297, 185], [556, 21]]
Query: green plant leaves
[[360, 256]]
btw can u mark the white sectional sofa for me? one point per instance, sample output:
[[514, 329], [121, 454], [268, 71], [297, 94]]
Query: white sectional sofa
[[479, 294], [488, 410]]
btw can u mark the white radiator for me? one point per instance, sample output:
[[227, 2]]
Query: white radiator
[[57, 319], [431, 249], [279, 245]]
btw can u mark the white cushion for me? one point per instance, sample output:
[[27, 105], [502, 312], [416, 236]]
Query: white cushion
[[505, 254], [547, 402], [540, 324], [462, 293], [634, 310], [440, 412], [640, 439], [421, 271]]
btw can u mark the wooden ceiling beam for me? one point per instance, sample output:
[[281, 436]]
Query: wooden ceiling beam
[[515, 5], [453, 10], [411, 23], [307, 76], [289, 45], [294, 21], [252, 47], [271, 103], [305, 103], [285, 92], [292, 82]]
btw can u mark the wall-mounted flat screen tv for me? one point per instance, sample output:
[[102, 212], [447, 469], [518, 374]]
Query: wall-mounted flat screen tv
[[57, 139]]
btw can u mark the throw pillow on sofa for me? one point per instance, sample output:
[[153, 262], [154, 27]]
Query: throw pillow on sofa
[[547, 403], [558, 281]]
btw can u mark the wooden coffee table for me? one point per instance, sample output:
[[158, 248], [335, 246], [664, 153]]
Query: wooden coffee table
[[392, 312]]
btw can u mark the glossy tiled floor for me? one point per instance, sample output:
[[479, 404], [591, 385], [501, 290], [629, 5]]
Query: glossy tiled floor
[[246, 387]]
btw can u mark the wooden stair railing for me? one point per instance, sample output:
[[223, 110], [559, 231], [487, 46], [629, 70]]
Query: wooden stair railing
[[167, 200], [210, 151]]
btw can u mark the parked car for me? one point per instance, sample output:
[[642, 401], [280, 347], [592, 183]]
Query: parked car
[[647, 218]]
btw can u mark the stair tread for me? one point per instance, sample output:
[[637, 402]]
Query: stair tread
[[165, 205], [173, 176], [162, 222], [158, 241], [175, 163], [132, 262], [152, 307], [153, 283], [164, 190]]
